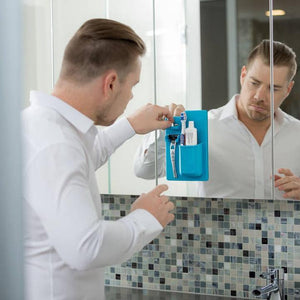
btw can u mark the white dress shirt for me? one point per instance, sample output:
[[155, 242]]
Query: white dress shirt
[[238, 166], [67, 242]]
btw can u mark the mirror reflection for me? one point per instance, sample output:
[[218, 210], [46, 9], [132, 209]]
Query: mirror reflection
[[195, 54], [240, 137], [286, 21], [240, 148]]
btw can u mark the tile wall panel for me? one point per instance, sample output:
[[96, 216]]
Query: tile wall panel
[[214, 246]]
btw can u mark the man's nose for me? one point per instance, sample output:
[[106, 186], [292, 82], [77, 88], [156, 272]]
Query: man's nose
[[261, 94]]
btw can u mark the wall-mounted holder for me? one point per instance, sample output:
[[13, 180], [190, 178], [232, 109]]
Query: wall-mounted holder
[[186, 162]]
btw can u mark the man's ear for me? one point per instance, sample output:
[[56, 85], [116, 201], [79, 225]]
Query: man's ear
[[243, 75], [290, 86], [109, 83]]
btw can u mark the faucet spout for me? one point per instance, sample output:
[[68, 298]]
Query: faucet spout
[[274, 290], [270, 288]]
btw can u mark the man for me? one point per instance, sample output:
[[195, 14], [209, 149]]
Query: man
[[67, 242], [240, 132]]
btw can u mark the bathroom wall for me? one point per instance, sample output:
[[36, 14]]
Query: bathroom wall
[[214, 247]]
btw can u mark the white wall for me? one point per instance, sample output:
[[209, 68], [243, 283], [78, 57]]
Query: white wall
[[37, 47]]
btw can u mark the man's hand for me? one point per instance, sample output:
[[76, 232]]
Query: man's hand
[[175, 109], [155, 203], [289, 183], [149, 118]]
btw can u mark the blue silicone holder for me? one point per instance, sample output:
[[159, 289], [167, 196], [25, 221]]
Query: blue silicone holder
[[191, 162]]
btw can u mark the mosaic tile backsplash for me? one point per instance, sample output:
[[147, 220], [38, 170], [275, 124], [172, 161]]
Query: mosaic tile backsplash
[[214, 247]]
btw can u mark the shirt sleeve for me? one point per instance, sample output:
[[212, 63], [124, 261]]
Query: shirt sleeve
[[126, 236], [144, 161], [57, 189], [110, 138]]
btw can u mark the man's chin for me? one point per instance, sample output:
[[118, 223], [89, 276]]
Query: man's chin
[[105, 122], [111, 122], [259, 117]]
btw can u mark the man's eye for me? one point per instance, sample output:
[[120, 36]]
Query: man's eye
[[276, 89]]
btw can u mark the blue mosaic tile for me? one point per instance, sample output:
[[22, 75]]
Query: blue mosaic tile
[[214, 247]]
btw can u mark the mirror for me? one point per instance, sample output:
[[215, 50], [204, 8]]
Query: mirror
[[235, 27], [46, 35], [229, 30], [122, 179], [286, 22], [195, 51], [286, 29]]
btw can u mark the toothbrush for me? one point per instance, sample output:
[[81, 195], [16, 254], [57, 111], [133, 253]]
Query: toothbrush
[[183, 119], [173, 157]]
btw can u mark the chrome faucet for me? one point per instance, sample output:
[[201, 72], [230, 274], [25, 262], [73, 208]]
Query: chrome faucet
[[274, 289]]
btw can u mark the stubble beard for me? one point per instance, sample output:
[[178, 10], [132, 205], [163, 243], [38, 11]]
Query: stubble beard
[[257, 116]]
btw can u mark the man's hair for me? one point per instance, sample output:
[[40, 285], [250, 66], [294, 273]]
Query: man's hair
[[100, 45], [282, 56]]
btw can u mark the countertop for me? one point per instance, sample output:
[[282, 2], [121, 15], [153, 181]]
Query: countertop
[[116, 293]]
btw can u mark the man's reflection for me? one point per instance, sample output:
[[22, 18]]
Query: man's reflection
[[240, 138]]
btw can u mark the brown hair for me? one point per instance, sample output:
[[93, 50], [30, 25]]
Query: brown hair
[[100, 45], [282, 56]]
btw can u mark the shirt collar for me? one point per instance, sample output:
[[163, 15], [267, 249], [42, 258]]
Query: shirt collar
[[75, 117], [229, 110], [279, 116]]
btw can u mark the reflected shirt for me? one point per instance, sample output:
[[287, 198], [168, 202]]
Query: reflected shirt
[[67, 241], [238, 166]]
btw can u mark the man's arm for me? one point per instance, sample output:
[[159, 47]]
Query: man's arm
[[144, 120], [144, 160], [149, 118], [57, 189]]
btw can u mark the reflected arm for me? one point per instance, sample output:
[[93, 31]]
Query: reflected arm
[[144, 161]]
